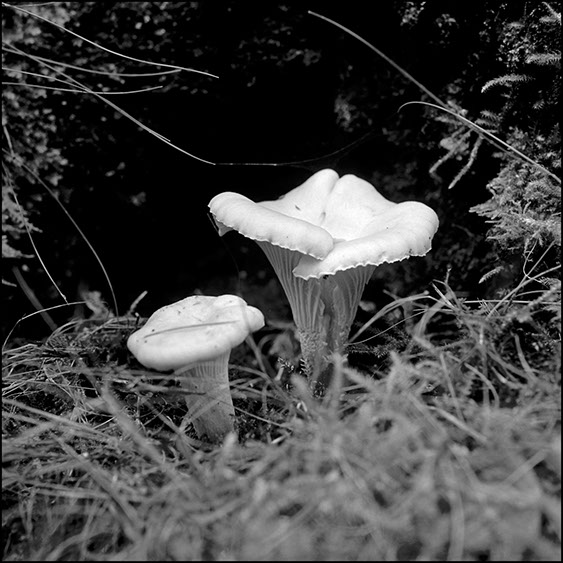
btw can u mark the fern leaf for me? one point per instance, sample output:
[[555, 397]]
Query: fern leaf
[[544, 59], [506, 80], [489, 120], [491, 274], [554, 16]]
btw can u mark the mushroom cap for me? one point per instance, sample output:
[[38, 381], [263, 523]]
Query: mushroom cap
[[196, 329], [288, 222], [336, 223]]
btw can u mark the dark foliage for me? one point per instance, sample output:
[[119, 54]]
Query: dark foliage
[[291, 88]]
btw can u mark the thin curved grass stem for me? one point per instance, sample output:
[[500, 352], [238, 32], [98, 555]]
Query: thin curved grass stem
[[384, 310], [98, 46], [413, 316], [439, 103], [110, 73], [538, 261], [36, 74], [383, 56], [52, 194], [117, 108], [28, 231], [85, 90], [88, 90], [30, 294], [507, 297], [38, 313], [80, 91], [488, 136]]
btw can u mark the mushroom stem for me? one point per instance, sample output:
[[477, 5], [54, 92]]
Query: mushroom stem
[[208, 397], [323, 310]]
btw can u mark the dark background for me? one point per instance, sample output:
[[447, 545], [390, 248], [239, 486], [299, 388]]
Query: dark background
[[293, 90]]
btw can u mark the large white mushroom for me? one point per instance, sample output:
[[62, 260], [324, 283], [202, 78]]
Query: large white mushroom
[[194, 338], [324, 239]]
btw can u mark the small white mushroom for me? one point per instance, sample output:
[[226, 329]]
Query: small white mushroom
[[324, 240], [194, 338]]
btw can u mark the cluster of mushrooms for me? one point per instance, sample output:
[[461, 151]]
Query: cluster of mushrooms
[[323, 240]]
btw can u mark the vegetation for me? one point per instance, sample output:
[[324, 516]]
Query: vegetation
[[440, 438]]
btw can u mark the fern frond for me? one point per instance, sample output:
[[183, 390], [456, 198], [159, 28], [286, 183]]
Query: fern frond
[[493, 139], [489, 119], [554, 16], [506, 80], [491, 274], [544, 59], [541, 189], [539, 105]]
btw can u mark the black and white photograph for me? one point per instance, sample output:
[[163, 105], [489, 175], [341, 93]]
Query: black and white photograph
[[281, 280]]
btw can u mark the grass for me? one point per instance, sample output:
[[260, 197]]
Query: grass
[[448, 450], [440, 440]]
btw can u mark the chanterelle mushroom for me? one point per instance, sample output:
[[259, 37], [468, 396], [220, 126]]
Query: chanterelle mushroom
[[194, 338], [324, 240]]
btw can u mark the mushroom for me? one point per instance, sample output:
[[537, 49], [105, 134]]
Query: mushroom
[[194, 337], [324, 239]]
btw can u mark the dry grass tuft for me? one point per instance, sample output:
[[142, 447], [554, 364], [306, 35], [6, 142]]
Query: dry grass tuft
[[451, 453]]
